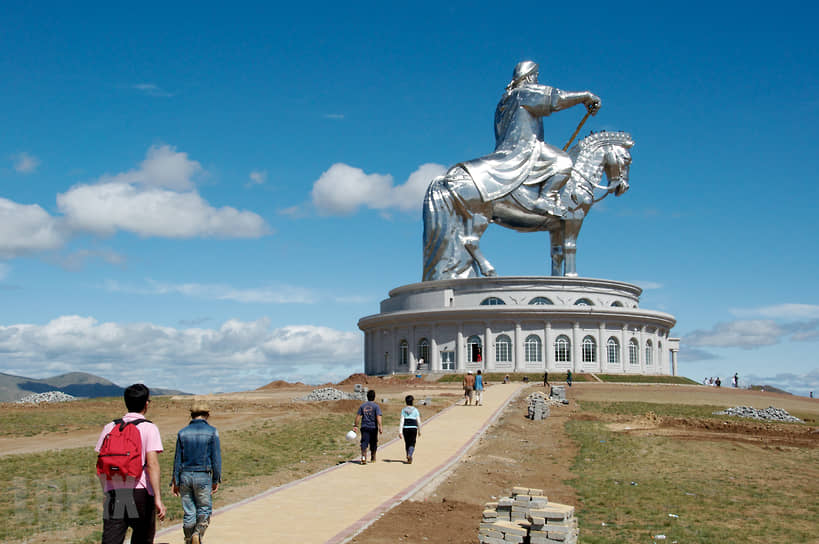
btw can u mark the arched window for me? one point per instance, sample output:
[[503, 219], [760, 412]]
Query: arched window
[[492, 301], [583, 302], [532, 347], [613, 350], [649, 349], [589, 350], [423, 351], [617, 304], [540, 301], [633, 352], [503, 349], [403, 352], [563, 349], [474, 351]]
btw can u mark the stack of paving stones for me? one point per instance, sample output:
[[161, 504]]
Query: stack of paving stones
[[330, 393], [558, 392], [527, 517], [48, 396], [538, 406], [768, 414]]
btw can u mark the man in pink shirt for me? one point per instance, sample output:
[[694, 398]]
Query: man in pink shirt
[[131, 502]]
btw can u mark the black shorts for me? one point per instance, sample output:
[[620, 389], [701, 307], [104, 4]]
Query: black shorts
[[369, 438]]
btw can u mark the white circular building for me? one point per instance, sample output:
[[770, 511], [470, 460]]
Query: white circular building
[[518, 324]]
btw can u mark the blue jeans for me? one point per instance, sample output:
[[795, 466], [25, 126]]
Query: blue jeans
[[195, 489]]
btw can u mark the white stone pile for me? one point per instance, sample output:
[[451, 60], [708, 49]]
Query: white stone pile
[[330, 393], [527, 517], [538, 406], [768, 414], [48, 396]]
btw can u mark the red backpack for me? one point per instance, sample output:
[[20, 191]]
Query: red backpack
[[121, 451]]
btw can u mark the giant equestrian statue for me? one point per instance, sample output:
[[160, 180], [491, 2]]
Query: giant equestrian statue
[[526, 184]]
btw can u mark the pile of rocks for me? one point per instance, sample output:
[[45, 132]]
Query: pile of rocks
[[330, 393], [538, 406], [768, 414], [558, 393], [48, 396], [527, 517]]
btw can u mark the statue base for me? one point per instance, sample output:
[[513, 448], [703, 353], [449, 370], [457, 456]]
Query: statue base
[[518, 324]]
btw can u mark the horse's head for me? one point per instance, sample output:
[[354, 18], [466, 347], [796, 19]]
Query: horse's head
[[616, 163], [593, 155]]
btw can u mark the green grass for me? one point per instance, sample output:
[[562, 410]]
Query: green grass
[[55, 491], [33, 420], [640, 408], [636, 378], [628, 485]]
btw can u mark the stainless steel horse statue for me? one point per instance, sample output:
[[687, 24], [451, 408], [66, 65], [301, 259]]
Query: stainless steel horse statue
[[456, 213]]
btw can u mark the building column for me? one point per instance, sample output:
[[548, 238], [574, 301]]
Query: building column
[[519, 365], [460, 349], [674, 361], [575, 355], [642, 351], [412, 361], [548, 351], [488, 357], [602, 352], [624, 364], [434, 356]]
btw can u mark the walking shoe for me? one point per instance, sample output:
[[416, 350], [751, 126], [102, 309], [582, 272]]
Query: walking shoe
[[372, 458], [409, 459], [195, 538], [363, 460]]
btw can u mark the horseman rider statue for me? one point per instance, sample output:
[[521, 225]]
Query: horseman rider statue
[[521, 158]]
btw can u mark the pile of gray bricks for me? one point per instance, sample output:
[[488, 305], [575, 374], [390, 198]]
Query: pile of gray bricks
[[527, 517], [538, 406], [558, 392]]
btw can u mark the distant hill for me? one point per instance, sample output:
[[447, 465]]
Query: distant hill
[[76, 384], [768, 388]]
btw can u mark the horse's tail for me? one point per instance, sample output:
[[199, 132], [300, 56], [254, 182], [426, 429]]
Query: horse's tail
[[435, 225]]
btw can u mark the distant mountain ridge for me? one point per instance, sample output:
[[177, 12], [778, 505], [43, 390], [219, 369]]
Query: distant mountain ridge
[[76, 384]]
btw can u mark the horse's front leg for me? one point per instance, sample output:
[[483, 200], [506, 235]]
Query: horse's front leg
[[475, 227], [571, 230]]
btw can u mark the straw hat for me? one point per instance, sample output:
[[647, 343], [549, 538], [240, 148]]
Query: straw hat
[[199, 406]]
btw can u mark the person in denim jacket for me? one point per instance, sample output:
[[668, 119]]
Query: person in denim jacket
[[197, 471]]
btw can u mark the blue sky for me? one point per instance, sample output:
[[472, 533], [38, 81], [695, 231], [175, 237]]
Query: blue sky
[[209, 197]]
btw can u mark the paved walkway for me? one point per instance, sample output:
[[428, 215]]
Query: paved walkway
[[332, 506]]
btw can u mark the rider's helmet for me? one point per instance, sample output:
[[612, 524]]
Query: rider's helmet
[[522, 71]]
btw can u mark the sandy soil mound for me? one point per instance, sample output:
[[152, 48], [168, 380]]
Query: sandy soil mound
[[280, 384]]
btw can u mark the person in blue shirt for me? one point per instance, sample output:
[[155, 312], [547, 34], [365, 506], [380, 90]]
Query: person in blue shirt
[[409, 427], [478, 388], [197, 471], [369, 417]]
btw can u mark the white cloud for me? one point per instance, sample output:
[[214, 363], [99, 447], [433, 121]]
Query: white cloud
[[107, 207], [164, 167], [257, 177], [236, 356], [27, 229], [799, 384], [647, 285], [25, 163], [743, 334], [152, 89], [284, 294], [343, 189], [780, 311]]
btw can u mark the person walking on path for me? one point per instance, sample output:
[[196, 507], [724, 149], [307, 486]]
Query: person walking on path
[[369, 417], [469, 387], [569, 377], [478, 388], [409, 426], [197, 471], [546, 379], [133, 501]]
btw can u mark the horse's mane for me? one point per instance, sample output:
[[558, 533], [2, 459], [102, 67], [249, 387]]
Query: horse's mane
[[596, 140]]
